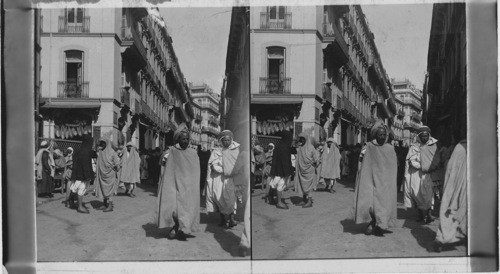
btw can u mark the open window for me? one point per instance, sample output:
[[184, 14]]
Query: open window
[[73, 73]]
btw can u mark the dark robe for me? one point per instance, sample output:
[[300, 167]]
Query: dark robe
[[46, 184], [282, 157], [82, 161]]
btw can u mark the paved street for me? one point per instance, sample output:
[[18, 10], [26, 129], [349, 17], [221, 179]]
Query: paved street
[[324, 231], [124, 234]]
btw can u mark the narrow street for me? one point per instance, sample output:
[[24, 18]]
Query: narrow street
[[64, 235], [324, 230]]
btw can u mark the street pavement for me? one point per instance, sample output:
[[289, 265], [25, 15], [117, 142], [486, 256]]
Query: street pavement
[[325, 231], [125, 234]]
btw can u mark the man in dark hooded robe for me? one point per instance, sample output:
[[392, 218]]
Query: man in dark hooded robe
[[281, 169]]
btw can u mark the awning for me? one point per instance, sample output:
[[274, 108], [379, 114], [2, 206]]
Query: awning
[[70, 104]]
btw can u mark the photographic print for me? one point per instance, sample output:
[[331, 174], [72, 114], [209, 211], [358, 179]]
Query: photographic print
[[142, 134], [359, 126]]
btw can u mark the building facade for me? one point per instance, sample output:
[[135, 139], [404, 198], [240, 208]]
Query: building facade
[[398, 124], [411, 108], [445, 91], [316, 68], [208, 103], [111, 72]]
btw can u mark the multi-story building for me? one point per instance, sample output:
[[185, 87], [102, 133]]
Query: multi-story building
[[208, 102], [196, 124], [398, 124], [111, 72], [446, 86], [316, 67], [411, 106]]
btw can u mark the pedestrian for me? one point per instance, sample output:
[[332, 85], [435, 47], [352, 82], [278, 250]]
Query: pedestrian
[[221, 192], [204, 156], [45, 170], [281, 170], [144, 166], [344, 161], [268, 161], [130, 169], [178, 203], [307, 161], [67, 174], [421, 172], [82, 171], [106, 181], [259, 167], [375, 193], [330, 164], [154, 167], [453, 210], [317, 178]]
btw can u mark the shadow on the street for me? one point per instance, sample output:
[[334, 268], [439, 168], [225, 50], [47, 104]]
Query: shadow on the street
[[348, 182], [152, 231], [295, 199], [151, 188], [226, 238], [424, 236], [351, 227], [96, 204]]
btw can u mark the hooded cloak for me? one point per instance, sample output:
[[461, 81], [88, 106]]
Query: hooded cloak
[[375, 190]]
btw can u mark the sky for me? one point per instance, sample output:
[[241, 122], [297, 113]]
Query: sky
[[200, 38], [402, 38]]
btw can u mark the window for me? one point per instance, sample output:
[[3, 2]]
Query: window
[[74, 66], [276, 63], [74, 15], [277, 13]]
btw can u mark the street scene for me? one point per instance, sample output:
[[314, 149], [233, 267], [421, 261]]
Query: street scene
[[358, 131], [136, 159]]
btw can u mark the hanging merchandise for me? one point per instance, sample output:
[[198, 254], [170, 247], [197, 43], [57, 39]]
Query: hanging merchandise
[[259, 129], [79, 130], [74, 132], [58, 133], [64, 132]]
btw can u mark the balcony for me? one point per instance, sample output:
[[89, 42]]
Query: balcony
[[65, 26], [210, 106], [125, 96], [338, 48], [126, 34], [213, 121], [72, 89], [327, 93], [416, 117], [267, 23], [274, 86], [400, 113], [145, 109]]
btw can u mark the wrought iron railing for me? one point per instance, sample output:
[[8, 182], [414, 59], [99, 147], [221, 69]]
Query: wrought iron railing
[[126, 34], [267, 23], [125, 96], [274, 86], [72, 89], [65, 26]]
